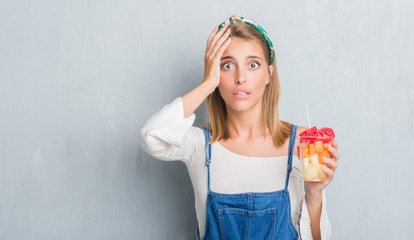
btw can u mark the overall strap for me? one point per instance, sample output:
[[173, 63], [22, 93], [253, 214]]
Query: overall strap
[[291, 149], [208, 153]]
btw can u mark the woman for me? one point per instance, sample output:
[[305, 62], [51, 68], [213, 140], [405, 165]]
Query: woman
[[244, 166]]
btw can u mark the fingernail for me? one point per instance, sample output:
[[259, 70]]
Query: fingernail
[[325, 159]]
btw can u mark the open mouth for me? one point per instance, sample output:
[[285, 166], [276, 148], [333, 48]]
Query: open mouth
[[241, 93]]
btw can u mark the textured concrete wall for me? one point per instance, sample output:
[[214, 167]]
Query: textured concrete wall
[[79, 78]]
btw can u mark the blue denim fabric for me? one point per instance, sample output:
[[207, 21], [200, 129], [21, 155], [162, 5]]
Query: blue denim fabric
[[252, 215]]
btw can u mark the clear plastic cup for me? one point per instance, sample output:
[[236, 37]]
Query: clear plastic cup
[[312, 150]]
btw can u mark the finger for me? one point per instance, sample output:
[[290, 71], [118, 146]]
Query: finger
[[211, 36], [328, 171], [222, 48], [332, 164], [334, 152], [216, 38], [335, 144]]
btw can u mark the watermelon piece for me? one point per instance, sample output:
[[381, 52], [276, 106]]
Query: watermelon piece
[[327, 132], [313, 134]]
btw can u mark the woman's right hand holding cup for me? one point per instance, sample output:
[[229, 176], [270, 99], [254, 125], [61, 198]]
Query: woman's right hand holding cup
[[217, 43]]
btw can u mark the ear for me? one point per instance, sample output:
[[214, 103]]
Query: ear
[[270, 75]]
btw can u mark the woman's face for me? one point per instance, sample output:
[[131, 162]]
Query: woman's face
[[243, 74]]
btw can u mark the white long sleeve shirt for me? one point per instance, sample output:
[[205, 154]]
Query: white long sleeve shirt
[[169, 136]]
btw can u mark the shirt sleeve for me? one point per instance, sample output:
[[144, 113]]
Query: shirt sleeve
[[325, 225], [305, 223], [167, 134]]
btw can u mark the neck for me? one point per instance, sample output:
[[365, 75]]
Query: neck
[[247, 124]]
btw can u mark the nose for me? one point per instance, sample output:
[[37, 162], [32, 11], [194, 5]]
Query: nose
[[239, 77]]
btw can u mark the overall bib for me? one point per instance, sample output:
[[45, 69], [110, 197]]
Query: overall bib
[[251, 215]]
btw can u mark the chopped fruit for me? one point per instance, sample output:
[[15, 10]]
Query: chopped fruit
[[311, 148], [321, 162], [305, 162], [304, 151], [310, 172], [319, 146], [311, 151], [322, 175], [326, 154], [305, 148], [314, 159], [327, 132], [314, 145], [305, 154], [313, 134]]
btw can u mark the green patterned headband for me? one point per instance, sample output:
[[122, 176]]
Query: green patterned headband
[[252, 23]]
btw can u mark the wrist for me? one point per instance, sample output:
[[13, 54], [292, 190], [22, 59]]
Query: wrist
[[314, 197], [210, 84]]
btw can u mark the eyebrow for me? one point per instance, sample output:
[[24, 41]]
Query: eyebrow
[[232, 58]]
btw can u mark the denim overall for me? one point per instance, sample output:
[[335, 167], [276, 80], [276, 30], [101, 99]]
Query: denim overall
[[251, 215]]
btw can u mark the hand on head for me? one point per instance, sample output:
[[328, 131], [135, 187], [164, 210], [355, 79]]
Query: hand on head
[[217, 43]]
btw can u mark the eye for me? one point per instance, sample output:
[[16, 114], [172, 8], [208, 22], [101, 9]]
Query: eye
[[254, 65], [227, 66]]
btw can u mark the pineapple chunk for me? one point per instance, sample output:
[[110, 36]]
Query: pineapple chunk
[[305, 162], [321, 174], [310, 172], [314, 159]]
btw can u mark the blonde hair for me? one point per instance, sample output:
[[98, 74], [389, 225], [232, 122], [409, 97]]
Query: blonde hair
[[216, 106]]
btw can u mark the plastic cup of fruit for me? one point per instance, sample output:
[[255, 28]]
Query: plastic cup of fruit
[[312, 150]]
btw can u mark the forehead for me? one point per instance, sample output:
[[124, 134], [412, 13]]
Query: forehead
[[240, 48]]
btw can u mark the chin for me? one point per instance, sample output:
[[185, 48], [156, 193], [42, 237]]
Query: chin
[[240, 106]]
